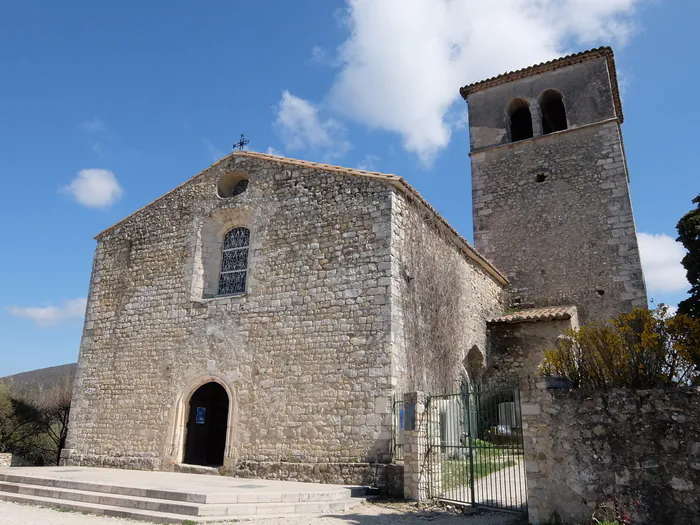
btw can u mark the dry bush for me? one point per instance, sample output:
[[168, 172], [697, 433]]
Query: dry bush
[[640, 349]]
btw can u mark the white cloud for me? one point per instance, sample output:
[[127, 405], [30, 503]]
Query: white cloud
[[214, 152], [94, 125], [369, 163], [272, 151], [661, 260], [97, 131], [51, 315], [323, 57], [403, 62], [94, 188], [302, 128]]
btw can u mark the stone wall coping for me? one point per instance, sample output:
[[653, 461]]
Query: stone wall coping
[[393, 180]]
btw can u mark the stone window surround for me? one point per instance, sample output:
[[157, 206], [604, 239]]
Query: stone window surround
[[177, 431], [229, 184], [208, 248]]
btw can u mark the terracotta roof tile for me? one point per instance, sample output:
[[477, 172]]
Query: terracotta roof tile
[[548, 313], [544, 67]]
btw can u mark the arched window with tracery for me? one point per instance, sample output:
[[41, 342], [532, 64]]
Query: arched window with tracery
[[234, 261], [520, 125], [553, 112]]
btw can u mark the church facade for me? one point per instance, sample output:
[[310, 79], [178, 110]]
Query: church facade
[[264, 312]]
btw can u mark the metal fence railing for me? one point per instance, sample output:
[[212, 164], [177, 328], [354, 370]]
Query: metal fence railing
[[476, 453]]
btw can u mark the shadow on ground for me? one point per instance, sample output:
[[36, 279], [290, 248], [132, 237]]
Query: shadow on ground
[[381, 512]]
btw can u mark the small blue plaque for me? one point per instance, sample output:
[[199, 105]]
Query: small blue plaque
[[410, 417], [201, 414]]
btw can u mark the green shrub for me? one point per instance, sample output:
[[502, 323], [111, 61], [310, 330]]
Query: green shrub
[[640, 349]]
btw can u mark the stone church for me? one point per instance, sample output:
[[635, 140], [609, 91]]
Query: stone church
[[260, 316]]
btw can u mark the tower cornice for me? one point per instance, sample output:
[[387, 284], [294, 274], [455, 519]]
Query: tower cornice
[[605, 52]]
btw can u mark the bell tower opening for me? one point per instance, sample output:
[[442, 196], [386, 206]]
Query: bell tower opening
[[207, 425], [553, 112], [520, 120]]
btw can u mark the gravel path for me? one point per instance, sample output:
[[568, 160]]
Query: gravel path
[[364, 514]]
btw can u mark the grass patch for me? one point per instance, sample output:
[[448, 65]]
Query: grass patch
[[455, 473]]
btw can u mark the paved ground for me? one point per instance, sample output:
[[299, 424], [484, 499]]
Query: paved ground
[[502, 489], [365, 514]]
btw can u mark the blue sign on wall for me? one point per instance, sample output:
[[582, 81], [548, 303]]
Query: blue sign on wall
[[410, 417], [201, 414]]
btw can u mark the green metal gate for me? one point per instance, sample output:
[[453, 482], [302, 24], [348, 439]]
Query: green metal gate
[[475, 449]]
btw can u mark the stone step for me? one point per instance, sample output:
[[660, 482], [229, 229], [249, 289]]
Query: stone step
[[104, 488], [196, 469], [332, 494], [101, 498], [76, 506], [236, 511]]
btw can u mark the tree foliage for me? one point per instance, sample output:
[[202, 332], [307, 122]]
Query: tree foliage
[[640, 349], [689, 235], [34, 419]]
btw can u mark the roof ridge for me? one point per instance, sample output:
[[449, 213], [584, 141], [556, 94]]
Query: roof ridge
[[311, 164], [540, 313]]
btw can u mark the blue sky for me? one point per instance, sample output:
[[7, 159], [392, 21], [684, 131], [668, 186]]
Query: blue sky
[[106, 106]]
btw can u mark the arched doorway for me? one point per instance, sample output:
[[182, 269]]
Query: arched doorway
[[206, 426], [474, 366]]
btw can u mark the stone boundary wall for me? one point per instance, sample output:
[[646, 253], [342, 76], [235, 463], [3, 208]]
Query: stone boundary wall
[[131, 461], [388, 478], [583, 447], [11, 460]]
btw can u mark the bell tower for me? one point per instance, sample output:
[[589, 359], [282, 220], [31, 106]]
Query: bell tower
[[550, 186]]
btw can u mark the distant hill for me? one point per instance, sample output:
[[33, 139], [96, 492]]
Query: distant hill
[[43, 376]]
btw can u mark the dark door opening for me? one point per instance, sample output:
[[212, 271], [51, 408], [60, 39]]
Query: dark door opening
[[206, 426]]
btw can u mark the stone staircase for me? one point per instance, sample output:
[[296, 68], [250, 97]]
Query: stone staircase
[[173, 502]]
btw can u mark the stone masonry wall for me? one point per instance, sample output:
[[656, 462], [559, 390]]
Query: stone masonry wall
[[584, 447], [419, 253], [304, 353], [5, 460], [570, 239], [516, 349], [387, 477]]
